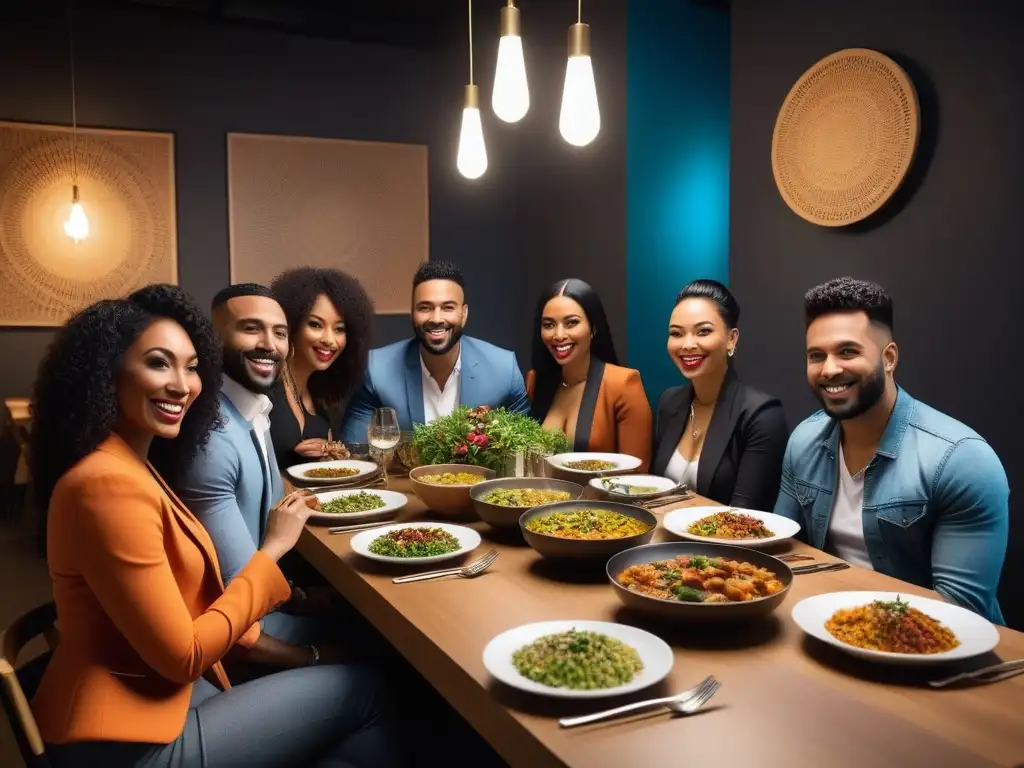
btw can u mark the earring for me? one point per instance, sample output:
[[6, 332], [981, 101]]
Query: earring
[[732, 352]]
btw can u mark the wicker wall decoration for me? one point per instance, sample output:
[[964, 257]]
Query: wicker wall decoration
[[845, 137], [352, 205], [126, 182]]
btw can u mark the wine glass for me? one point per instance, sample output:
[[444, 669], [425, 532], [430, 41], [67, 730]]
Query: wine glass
[[383, 434]]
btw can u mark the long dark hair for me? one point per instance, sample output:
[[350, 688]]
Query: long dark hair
[[74, 402], [546, 369]]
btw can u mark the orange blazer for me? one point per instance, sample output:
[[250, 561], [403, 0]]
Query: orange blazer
[[614, 415], [142, 609]]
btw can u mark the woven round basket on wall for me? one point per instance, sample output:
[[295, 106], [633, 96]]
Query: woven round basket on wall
[[845, 137]]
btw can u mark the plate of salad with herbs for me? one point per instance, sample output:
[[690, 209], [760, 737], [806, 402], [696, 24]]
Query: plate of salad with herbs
[[357, 506], [415, 543]]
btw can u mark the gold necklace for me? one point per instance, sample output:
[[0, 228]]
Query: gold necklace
[[695, 432]]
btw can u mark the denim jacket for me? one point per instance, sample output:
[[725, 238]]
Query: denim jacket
[[936, 501]]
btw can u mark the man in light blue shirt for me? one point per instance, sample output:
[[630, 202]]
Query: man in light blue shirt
[[881, 479]]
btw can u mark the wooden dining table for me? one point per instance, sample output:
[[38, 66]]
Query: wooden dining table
[[786, 699]]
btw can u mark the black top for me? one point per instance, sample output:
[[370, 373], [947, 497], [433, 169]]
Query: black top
[[285, 432], [741, 460], [543, 398]]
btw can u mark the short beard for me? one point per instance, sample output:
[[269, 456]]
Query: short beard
[[234, 368], [453, 339], [869, 393]]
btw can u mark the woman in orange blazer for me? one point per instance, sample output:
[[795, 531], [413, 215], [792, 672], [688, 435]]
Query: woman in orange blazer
[[576, 384], [144, 615]]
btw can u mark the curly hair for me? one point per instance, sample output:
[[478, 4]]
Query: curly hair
[[845, 294], [297, 290], [437, 270], [74, 399]]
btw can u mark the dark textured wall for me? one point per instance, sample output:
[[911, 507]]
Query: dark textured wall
[[948, 249]]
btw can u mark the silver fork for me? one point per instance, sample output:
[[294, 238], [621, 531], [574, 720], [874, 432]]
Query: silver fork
[[993, 674], [467, 571], [685, 703]]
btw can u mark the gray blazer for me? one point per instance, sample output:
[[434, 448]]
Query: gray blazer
[[231, 489]]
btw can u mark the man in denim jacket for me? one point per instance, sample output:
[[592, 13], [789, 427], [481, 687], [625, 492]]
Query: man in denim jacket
[[881, 479]]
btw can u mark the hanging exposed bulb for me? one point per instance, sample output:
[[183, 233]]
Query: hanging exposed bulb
[[77, 225], [510, 98], [580, 119], [472, 159]]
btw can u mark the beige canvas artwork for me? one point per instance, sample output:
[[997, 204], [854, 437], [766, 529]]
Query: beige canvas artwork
[[126, 187], [357, 206]]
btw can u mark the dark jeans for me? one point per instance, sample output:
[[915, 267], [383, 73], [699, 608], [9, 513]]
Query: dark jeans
[[328, 717]]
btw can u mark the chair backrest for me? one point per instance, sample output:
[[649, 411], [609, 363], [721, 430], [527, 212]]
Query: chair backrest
[[38, 621]]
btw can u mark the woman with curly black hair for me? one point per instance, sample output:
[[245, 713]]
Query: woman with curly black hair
[[145, 618], [330, 320]]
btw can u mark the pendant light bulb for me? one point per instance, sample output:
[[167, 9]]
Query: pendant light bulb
[[580, 119], [472, 157], [510, 98], [77, 225]]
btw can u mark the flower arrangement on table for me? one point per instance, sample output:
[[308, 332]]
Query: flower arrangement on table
[[484, 437]]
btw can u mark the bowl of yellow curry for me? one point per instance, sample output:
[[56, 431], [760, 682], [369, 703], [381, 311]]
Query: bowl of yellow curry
[[586, 529], [445, 488], [501, 502]]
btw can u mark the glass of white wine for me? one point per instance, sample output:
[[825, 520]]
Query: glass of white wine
[[384, 434]]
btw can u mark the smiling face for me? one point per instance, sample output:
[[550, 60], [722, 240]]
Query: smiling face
[[850, 363], [320, 339], [254, 333], [565, 330], [159, 380], [698, 341], [439, 313]]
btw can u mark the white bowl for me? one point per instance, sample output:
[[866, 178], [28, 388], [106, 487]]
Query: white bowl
[[977, 635], [654, 652], [363, 469], [468, 538], [392, 503], [622, 462], [678, 521], [664, 486]]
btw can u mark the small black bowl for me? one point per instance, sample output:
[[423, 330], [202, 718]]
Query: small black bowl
[[498, 516], [558, 548], [698, 613]]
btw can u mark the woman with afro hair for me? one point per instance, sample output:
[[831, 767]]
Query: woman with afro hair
[[330, 320], [145, 618]]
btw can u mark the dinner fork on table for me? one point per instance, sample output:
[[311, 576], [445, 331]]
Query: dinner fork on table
[[475, 568], [819, 568], [991, 674], [685, 703]]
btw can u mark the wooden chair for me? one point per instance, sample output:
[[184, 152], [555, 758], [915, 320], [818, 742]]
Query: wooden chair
[[13, 683]]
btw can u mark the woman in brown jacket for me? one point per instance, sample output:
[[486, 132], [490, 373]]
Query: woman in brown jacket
[[145, 618], [576, 384]]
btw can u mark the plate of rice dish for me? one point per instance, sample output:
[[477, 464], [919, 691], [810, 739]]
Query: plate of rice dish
[[730, 525], [578, 659], [893, 628], [415, 543], [357, 506]]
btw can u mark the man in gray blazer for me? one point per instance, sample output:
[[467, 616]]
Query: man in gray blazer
[[233, 484]]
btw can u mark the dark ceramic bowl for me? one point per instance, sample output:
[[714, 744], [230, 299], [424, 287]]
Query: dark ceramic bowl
[[558, 548], [698, 613], [508, 517]]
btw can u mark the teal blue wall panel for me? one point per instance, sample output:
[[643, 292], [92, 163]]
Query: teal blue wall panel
[[677, 168]]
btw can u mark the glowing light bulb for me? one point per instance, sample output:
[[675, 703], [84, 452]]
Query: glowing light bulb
[[472, 157], [510, 98], [77, 225], [580, 119]]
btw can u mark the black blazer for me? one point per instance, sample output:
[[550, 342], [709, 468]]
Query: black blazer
[[741, 460]]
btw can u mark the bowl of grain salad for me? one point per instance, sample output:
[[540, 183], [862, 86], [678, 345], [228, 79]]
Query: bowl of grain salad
[[501, 502], [445, 488], [586, 529]]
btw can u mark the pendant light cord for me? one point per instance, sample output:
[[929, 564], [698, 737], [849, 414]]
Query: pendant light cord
[[470, 4], [74, 104], [579, 13]]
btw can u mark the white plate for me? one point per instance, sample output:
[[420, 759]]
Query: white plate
[[468, 538], [976, 634], [655, 654], [663, 484], [678, 521], [392, 503], [622, 462], [297, 472]]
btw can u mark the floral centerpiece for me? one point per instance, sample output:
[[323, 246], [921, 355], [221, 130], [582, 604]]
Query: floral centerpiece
[[484, 437]]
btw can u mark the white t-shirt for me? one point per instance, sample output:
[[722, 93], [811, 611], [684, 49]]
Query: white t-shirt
[[682, 471], [846, 526], [437, 401]]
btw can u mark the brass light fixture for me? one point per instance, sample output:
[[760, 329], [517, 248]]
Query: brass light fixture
[[580, 119], [77, 225], [510, 98], [472, 157]]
